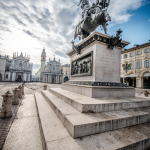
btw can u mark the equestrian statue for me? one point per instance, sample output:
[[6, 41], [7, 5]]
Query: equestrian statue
[[92, 17]]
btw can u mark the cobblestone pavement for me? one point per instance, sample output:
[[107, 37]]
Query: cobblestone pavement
[[5, 124]]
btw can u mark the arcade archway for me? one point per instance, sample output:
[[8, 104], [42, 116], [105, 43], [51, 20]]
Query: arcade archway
[[66, 79], [146, 80]]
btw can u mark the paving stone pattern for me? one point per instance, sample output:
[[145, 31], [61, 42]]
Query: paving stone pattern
[[5, 124]]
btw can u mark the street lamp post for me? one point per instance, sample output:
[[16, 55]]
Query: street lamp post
[[126, 66]]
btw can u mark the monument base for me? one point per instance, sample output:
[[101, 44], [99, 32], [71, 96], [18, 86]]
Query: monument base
[[95, 68], [99, 91]]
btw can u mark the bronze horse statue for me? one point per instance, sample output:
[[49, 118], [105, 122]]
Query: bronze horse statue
[[92, 17]]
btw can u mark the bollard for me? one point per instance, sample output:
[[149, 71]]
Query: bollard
[[20, 91], [145, 94], [6, 111], [15, 101], [45, 87]]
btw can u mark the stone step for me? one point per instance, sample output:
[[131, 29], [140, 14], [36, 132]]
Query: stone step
[[56, 137], [79, 124], [24, 133], [86, 104]]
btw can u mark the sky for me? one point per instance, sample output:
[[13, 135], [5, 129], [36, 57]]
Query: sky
[[28, 26]]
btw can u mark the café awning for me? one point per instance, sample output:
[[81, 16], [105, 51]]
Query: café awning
[[131, 75], [147, 74]]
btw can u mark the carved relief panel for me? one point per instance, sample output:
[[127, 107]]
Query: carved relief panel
[[82, 66]]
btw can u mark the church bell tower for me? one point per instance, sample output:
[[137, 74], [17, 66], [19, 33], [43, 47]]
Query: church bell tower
[[43, 60]]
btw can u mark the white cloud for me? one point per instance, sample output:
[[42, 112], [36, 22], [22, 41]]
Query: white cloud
[[149, 20], [29, 25]]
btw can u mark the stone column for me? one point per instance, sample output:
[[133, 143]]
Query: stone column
[[6, 111], [14, 76], [43, 77], [139, 82], [25, 77], [29, 77], [15, 101], [123, 79], [61, 78], [56, 79], [50, 78], [46, 78]]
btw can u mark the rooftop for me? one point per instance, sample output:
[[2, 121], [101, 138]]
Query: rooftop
[[136, 47]]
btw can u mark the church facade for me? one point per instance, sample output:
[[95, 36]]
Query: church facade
[[19, 69], [49, 72]]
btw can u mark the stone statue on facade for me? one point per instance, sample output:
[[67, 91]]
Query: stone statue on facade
[[92, 17]]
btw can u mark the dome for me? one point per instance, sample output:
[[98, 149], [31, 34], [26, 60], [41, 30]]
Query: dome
[[44, 53]]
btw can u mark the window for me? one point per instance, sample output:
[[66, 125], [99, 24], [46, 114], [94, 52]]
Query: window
[[146, 63], [139, 52], [125, 56], [53, 67], [6, 76], [132, 66], [131, 54], [147, 50], [139, 65], [20, 65]]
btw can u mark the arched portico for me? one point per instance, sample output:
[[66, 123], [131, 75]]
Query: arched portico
[[143, 81], [66, 78]]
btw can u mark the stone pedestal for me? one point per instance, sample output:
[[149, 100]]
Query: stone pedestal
[[95, 72], [16, 92], [45, 87], [6, 111], [20, 91], [145, 94]]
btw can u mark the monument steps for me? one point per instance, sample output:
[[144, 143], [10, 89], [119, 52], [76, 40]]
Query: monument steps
[[55, 136], [86, 104], [82, 124]]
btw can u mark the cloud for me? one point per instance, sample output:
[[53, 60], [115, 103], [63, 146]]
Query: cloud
[[31, 34], [18, 20], [29, 25], [120, 11], [149, 20]]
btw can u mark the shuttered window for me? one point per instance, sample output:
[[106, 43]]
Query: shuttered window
[[146, 63], [139, 52], [131, 54], [125, 56], [139, 64], [147, 50], [132, 65]]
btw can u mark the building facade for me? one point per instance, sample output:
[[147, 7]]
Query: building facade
[[66, 72], [4, 64], [138, 74], [19, 68], [49, 72]]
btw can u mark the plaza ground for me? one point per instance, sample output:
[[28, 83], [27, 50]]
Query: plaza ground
[[5, 86], [24, 115]]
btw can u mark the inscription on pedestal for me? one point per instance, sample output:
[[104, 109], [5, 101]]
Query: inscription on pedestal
[[82, 66], [110, 66]]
